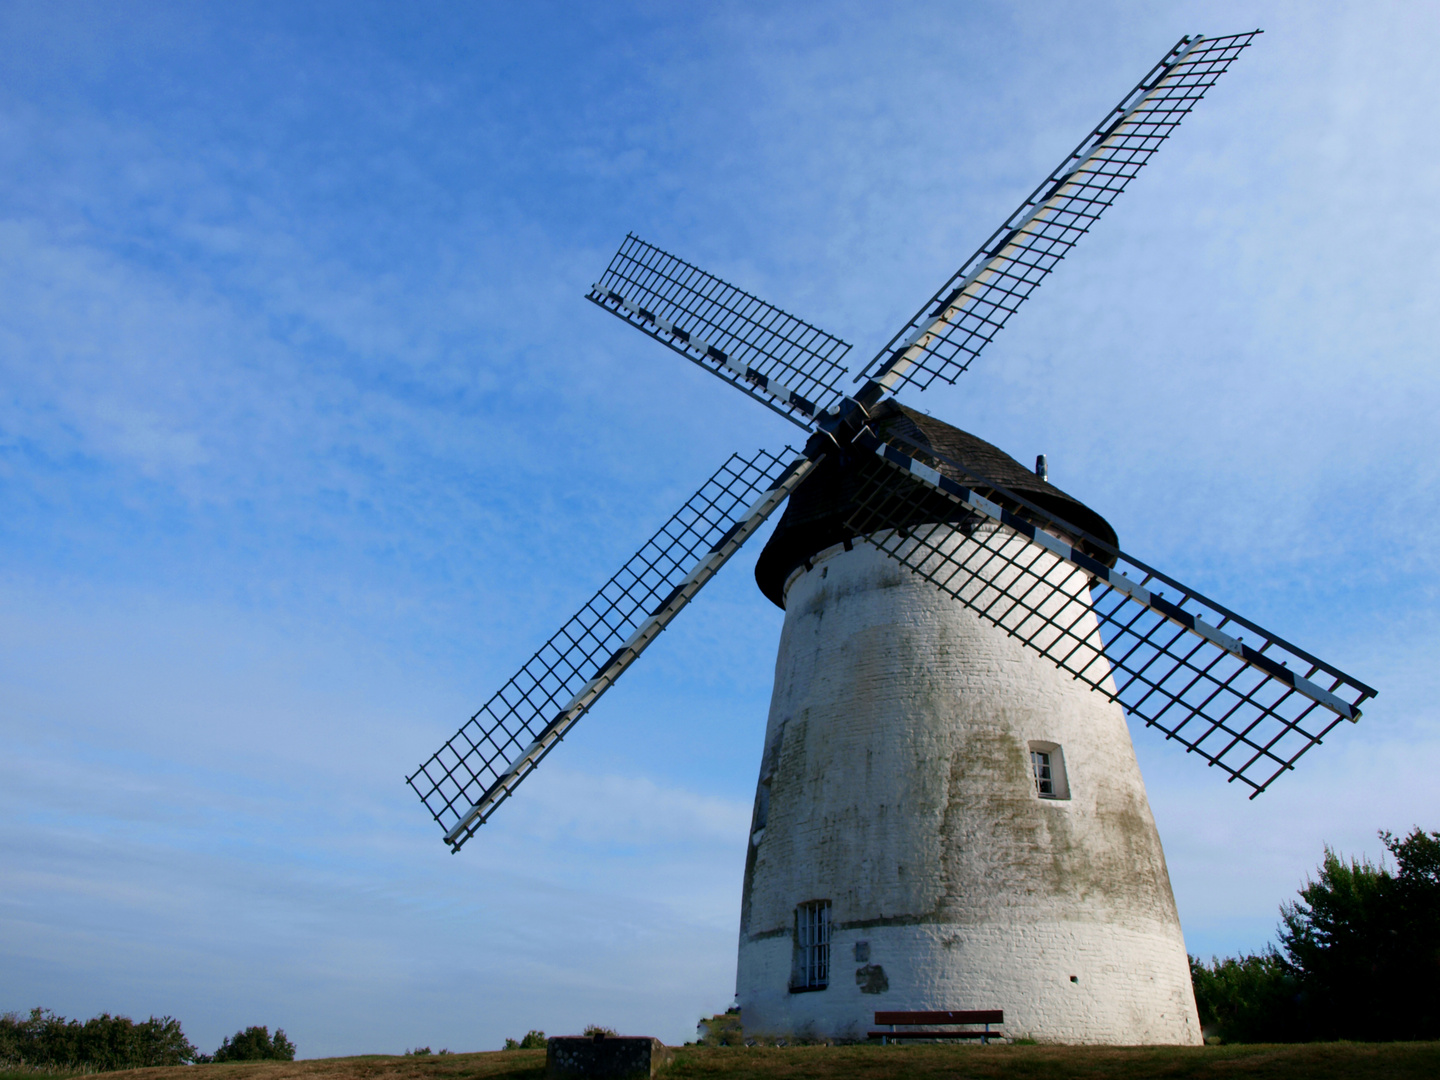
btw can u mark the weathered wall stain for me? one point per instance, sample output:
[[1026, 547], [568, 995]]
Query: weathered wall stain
[[871, 979], [896, 783]]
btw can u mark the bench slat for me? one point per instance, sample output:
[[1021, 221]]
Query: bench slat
[[935, 1035], [983, 1016]]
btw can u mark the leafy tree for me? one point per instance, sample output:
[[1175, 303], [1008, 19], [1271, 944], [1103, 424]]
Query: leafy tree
[[533, 1040], [1365, 944], [1416, 911], [102, 1043], [1361, 957], [1252, 999], [255, 1044]]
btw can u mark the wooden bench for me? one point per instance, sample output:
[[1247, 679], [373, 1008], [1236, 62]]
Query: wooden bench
[[914, 1020]]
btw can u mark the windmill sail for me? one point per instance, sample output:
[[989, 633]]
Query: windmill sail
[[1179, 662], [781, 361], [969, 309], [480, 766]]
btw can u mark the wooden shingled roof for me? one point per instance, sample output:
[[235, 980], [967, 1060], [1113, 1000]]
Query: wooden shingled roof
[[815, 516]]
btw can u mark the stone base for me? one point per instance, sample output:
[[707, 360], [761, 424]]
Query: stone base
[[1057, 982], [604, 1057]]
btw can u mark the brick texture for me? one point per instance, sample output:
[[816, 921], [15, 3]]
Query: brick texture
[[896, 783]]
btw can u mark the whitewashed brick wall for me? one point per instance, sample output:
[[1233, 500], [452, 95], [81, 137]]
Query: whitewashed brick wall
[[896, 783]]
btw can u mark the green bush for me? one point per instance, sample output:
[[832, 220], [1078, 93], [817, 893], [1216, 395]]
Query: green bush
[[1365, 944], [1252, 999], [103, 1042], [255, 1044], [533, 1040], [1361, 957], [722, 1029]]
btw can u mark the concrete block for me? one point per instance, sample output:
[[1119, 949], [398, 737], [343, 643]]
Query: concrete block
[[604, 1057]]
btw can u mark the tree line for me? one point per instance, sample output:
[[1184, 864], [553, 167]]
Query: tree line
[[104, 1043], [1359, 957]]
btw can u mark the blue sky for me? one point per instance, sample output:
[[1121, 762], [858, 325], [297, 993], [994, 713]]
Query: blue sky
[[308, 438]]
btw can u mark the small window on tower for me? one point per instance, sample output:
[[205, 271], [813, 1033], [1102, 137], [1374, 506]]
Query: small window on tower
[[1044, 781], [811, 967], [1047, 771]]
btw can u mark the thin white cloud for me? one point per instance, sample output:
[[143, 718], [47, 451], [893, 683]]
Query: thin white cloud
[[308, 438]]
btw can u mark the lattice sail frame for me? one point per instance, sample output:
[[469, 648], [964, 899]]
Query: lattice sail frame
[[1179, 664], [1172, 663], [783, 362], [480, 766], [971, 307]]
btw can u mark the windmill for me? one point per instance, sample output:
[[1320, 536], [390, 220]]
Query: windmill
[[948, 800]]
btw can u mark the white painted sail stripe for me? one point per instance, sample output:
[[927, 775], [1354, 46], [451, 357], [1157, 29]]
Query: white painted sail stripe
[[702, 351], [919, 340], [1115, 579], [637, 643]]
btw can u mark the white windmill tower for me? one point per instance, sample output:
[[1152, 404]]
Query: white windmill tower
[[949, 813], [954, 813]]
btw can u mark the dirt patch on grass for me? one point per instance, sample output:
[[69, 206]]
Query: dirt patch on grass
[[1312, 1061]]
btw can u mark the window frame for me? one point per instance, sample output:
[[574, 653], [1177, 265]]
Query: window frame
[[1059, 778], [1042, 773], [813, 939]]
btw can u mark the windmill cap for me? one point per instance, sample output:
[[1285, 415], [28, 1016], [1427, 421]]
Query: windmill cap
[[816, 514]]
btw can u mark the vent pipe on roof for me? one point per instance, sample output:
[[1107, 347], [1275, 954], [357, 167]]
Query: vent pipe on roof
[[1042, 469]]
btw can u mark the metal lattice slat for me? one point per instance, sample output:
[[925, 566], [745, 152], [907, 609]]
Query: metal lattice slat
[[1179, 662], [481, 764], [790, 365], [971, 307]]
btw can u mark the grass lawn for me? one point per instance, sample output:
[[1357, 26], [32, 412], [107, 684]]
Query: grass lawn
[[1313, 1061]]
